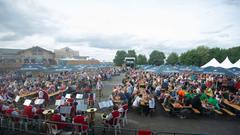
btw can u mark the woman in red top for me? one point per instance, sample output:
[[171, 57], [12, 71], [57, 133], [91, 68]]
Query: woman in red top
[[111, 118], [80, 119], [59, 97], [28, 111], [39, 112], [9, 111], [57, 117]]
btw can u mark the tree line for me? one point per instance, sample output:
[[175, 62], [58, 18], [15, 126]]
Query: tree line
[[197, 56]]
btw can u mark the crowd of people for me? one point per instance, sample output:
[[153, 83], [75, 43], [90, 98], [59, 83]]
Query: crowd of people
[[45, 84], [180, 92], [140, 90]]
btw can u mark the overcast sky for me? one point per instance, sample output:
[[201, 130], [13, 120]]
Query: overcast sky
[[97, 28]]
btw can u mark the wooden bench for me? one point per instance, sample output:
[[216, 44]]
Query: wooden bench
[[228, 112], [165, 108], [237, 107], [196, 111], [218, 112]]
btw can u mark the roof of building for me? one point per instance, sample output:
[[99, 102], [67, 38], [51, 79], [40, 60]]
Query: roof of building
[[35, 47], [7, 51]]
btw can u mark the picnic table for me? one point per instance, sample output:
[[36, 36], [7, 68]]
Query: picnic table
[[237, 107], [28, 94]]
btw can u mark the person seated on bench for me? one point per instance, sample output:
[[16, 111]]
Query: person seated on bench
[[57, 117], [81, 119], [151, 105], [111, 117], [236, 98], [166, 100], [123, 108], [186, 109], [213, 101], [29, 111], [196, 103]]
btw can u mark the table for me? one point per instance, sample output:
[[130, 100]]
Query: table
[[28, 94], [237, 107]]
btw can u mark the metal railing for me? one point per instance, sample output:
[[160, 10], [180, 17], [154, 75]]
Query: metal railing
[[24, 125]]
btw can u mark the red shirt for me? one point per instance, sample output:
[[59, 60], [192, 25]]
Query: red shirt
[[70, 100], [237, 85], [80, 119], [115, 114], [209, 84], [27, 111], [125, 107], [39, 111], [58, 97], [57, 118], [9, 111]]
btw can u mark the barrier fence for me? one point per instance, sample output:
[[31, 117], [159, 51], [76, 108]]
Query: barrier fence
[[26, 126]]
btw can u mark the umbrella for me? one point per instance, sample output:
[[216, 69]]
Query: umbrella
[[217, 71], [31, 67], [235, 70]]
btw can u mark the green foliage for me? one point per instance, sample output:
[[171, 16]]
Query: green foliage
[[197, 57], [156, 58], [172, 59], [219, 54], [119, 57], [131, 53], [233, 54], [141, 59]]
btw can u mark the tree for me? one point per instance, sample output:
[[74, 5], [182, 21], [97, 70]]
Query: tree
[[132, 53], [156, 58], [141, 59], [233, 54], [172, 59], [215, 53], [197, 57], [119, 57]]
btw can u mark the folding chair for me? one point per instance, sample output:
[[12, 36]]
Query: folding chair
[[53, 129], [79, 130], [124, 118]]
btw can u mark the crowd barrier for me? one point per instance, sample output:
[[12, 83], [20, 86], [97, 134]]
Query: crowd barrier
[[27, 126]]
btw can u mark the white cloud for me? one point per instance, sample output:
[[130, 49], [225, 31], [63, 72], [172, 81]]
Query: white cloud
[[98, 28]]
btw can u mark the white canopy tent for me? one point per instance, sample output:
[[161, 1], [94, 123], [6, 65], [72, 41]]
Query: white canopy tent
[[237, 64], [227, 63], [212, 63]]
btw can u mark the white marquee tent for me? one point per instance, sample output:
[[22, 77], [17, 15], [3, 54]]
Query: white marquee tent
[[237, 64], [226, 63], [212, 63]]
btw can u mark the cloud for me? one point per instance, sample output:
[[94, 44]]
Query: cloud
[[232, 2], [224, 28], [123, 41], [24, 18]]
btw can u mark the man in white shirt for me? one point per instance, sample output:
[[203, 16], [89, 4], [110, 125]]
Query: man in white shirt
[[136, 102]]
